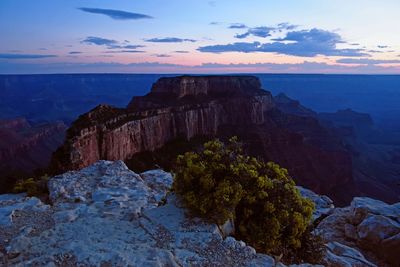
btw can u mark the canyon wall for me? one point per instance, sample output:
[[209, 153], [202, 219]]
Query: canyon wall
[[213, 106], [112, 134]]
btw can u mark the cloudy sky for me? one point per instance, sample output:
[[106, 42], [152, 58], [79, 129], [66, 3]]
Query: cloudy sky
[[200, 36]]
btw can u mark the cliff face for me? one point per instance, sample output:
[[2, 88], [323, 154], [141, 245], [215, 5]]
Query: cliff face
[[208, 106], [193, 106], [26, 147]]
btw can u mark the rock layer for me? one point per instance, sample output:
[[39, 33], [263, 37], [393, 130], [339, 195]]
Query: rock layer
[[212, 106], [117, 134]]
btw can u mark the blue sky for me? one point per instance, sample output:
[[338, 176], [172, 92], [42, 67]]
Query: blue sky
[[181, 36]]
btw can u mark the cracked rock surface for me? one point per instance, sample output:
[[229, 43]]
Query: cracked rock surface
[[107, 215]]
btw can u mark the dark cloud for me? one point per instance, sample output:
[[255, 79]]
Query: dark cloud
[[115, 14], [382, 46], [235, 47], [305, 43], [99, 41], [124, 51], [237, 26], [262, 31], [169, 40], [181, 51], [161, 55], [215, 23], [109, 43], [74, 53], [285, 26], [257, 31], [152, 67], [367, 61], [126, 46], [24, 56], [354, 44]]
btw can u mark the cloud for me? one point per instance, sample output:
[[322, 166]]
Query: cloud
[[237, 26], [116, 14], [181, 51], [124, 51], [169, 40], [24, 56], [206, 68], [235, 47], [262, 31], [285, 26], [215, 23], [257, 31], [382, 46], [304, 43], [99, 41], [367, 61], [161, 55], [109, 43], [126, 46]]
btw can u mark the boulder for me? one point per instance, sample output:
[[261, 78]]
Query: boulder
[[341, 255], [323, 204], [368, 225]]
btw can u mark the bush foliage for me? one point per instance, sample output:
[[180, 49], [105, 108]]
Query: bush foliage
[[220, 183], [33, 186]]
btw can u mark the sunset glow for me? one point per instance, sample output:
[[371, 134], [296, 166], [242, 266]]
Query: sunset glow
[[222, 36]]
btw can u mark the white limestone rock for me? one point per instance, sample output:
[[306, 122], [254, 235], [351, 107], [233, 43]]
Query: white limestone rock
[[106, 214], [341, 255], [323, 204], [368, 225]]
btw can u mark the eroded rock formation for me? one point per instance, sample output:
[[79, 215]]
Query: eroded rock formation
[[25, 147], [223, 106], [184, 107]]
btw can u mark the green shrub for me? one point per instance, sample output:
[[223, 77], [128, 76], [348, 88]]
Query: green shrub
[[220, 183], [33, 187]]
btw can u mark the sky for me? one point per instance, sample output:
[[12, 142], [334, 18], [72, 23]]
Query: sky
[[199, 36]]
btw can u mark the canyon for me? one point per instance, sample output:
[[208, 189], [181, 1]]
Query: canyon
[[25, 148], [212, 106]]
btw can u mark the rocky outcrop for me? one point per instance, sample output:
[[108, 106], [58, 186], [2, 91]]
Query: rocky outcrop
[[291, 106], [25, 147], [212, 106], [151, 121], [368, 225], [106, 214]]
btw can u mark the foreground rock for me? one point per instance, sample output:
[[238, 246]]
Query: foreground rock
[[107, 215], [368, 225]]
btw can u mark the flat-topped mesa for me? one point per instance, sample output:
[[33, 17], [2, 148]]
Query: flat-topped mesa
[[181, 107], [183, 90], [207, 85]]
